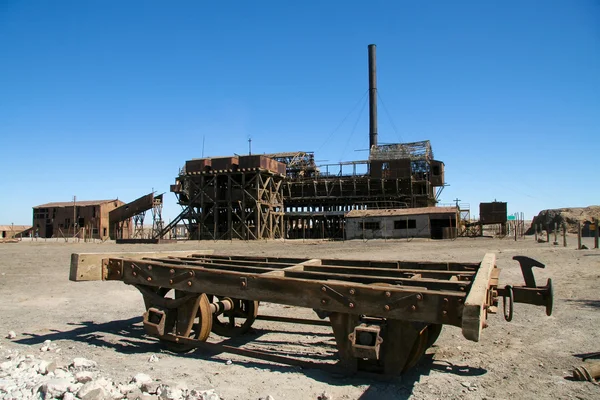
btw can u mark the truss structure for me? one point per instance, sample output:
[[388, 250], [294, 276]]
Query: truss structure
[[400, 151], [231, 205]]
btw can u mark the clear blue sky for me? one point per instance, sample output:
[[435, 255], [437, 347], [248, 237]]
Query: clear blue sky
[[105, 99]]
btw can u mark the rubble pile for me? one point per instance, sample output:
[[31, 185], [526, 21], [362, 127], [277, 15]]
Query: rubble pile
[[29, 377], [570, 216]]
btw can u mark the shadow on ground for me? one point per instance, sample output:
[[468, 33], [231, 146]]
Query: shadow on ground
[[584, 303], [132, 339]]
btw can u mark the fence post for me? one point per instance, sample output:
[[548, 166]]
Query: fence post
[[535, 226], [597, 235], [555, 233], [578, 235], [564, 229], [547, 233]]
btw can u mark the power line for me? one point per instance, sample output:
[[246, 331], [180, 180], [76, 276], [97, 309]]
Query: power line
[[353, 129], [389, 117], [343, 120]]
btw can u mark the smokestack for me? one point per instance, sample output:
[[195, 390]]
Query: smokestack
[[372, 96]]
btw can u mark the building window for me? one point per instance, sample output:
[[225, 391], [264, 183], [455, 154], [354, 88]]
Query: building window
[[405, 224], [371, 225]]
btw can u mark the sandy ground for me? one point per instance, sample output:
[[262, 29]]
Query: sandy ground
[[529, 358]]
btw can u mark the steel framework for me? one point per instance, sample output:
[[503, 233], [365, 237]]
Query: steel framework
[[231, 204]]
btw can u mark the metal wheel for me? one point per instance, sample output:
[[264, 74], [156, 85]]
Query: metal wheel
[[418, 349], [236, 321], [433, 333], [197, 327]]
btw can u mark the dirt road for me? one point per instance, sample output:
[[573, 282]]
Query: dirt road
[[528, 358]]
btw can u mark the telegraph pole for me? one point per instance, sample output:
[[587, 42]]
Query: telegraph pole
[[457, 200], [74, 214]]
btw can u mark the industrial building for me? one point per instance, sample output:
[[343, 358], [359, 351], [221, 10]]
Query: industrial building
[[287, 195], [425, 222], [14, 231], [84, 219]]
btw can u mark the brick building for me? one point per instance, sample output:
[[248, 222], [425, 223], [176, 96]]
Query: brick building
[[82, 218]]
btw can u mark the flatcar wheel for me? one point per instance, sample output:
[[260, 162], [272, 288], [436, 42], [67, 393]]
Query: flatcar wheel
[[418, 349], [200, 326], [236, 321], [433, 333]]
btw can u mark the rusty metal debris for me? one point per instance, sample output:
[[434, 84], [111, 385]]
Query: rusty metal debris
[[384, 314], [589, 371]]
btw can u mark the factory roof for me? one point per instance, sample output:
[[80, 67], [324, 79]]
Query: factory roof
[[14, 228], [77, 203], [401, 212]]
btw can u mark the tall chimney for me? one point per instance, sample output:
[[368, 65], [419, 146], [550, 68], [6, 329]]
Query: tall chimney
[[372, 96]]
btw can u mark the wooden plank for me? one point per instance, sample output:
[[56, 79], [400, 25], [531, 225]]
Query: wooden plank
[[297, 267], [474, 312], [88, 266]]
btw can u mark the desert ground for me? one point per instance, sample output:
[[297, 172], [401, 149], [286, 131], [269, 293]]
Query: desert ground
[[529, 358]]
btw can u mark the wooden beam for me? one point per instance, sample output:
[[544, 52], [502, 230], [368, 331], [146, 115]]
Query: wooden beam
[[297, 267], [88, 266], [474, 312]]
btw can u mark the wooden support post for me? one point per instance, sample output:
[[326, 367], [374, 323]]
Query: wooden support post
[[547, 233], [475, 311], [245, 229], [229, 205], [578, 235], [535, 226], [555, 233], [564, 230], [597, 234], [303, 229], [516, 230]]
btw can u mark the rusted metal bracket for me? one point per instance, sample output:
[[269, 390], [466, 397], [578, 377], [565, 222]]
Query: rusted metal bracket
[[154, 321], [337, 296], [136, 270], [161, 301], [181, 277], [112, 269], [366, 341], [404, 301]]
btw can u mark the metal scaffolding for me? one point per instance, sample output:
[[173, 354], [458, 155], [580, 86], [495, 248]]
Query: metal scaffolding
[[230, 204]]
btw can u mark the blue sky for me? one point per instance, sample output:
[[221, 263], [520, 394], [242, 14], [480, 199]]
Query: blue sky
[[105, 99]]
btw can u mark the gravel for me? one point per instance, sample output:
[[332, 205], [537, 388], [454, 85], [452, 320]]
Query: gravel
[[31, 377]]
